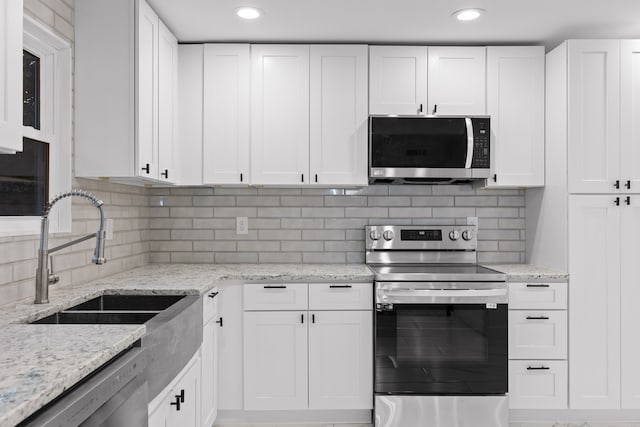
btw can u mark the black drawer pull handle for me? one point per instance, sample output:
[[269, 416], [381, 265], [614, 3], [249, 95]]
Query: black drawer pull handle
[[339, 286], [165, 173], [537, 285], [275, 287], [302, 318], [628, 185], [616, 184], [176, 403], [213, 294], [146, 168], [537, 318], [538, 368], [313, 318], [219, 321]]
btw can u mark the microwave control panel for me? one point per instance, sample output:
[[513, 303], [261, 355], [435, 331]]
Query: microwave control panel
[[481, 142]]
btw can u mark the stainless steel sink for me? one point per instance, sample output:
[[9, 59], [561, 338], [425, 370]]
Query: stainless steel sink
[[173, 322]]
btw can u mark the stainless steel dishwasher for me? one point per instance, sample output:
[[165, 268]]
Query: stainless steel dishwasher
[[114, 396]]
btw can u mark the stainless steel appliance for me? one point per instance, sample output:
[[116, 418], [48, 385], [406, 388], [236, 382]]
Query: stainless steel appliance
[[428, 149], [440, 329]]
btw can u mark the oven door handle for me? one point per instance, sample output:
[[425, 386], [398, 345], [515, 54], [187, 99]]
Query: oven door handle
[[469, 125], [435, 296]]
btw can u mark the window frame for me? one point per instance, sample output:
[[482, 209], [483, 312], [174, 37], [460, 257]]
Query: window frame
[[55, 125]]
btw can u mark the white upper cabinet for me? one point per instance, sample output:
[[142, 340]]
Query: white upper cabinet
[[167, 103], [397, 79], [225, 153], [125, 121], [11, 76], [594, 116], [279, 114], [629, 113], [457, 81], [338, 115], [515, 102], [594, 304]]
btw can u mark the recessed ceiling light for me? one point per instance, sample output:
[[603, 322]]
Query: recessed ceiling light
[[468, 14], [248, 13]]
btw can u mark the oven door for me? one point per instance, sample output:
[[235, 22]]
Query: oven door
[[441, 349]]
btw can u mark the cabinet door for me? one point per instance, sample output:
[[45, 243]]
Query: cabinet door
[[630, 298], [167, 102], [340, 360], [225, 151], [457, 82], [339, 117], [629, 112], [397, 79], [594, 302], [275, 360], [536, 334], [190, 123], [515, 102], [147, 91], [537, 384], [11, 76], [279, 114], [209, 377], [594, 115], [230, 347], [187, 390]]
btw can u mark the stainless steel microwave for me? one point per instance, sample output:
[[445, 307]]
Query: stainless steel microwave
[[429, 149]]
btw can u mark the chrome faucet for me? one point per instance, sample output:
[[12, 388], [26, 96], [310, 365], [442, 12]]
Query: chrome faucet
[[44, 277]]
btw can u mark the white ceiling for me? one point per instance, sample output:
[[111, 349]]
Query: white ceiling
[[401, 21]]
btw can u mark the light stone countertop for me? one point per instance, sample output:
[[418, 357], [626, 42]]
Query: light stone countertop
[[39, 362], [529, 273]]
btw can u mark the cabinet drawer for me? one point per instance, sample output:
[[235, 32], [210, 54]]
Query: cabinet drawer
[[275, 296], [340, 296], [209, 304], [538, 296], [537, 384], [537, 334]]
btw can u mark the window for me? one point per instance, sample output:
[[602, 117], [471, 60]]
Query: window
[[43, 168]]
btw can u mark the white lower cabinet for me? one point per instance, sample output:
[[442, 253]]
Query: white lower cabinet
[[209, 354], [538, 384], [275, 360], [340, 362], [230, 344], [300, 359], [538, 343], [179, 404]]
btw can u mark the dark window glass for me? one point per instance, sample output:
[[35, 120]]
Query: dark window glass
[[31, 90], [24, 179]]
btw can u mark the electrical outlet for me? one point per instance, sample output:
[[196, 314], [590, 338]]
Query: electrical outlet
[[242, 225], [109, 229]]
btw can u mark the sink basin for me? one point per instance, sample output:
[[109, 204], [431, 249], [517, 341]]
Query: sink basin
[[128, 303], [97, 318]]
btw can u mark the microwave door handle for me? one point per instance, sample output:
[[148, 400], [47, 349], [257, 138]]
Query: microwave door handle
[[469, 124]]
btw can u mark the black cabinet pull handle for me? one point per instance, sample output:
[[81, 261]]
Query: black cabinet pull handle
[[627, 200], [213, 294], [339, 286], [313, 318], [435, 109], [302, 318], [316, 177], [181, 396], [420, 109], [240, 177], [165, 173], [617, 184], [495, 177], [617, 201], [628, 185], [302, 177], [219, 321], [176, 403], [538, 368], [537, 285], [146, 168], [275, 287], [537, 318]]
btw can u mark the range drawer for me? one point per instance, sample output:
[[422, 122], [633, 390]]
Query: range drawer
[[209, 304], [340, 296], [536, 334], [275, 296], [538, 384], [538, 296]]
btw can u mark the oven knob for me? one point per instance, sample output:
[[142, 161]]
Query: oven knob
[[375, 235], [467, 234], [388, 235], [454, 235]]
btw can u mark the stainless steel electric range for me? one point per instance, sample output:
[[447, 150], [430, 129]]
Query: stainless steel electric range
[[440, 329]]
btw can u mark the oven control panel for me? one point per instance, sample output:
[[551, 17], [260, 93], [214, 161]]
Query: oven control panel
[[417, 237]]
